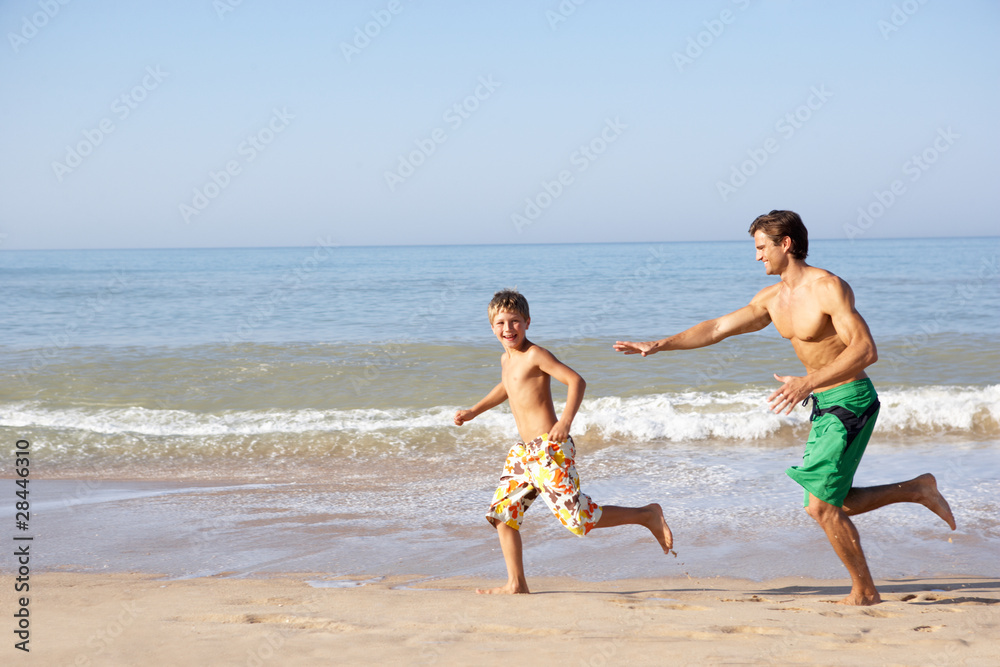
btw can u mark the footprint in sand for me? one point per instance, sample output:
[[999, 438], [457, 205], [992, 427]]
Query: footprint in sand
[[875, 612], [927, 628], [284, 620], [751, 630], [684, 607]]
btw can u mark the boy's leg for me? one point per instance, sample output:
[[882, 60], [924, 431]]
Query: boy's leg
[[510, 544], [922, 490], [650, 516], [846, 543]]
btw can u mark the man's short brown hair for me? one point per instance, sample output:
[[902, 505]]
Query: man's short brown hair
[[779, 224], [511, 301]]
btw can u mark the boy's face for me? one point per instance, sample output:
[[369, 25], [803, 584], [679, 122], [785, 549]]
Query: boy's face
[[510, 329]]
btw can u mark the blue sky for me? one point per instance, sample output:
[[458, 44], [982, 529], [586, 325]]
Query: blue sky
[[224, 123]]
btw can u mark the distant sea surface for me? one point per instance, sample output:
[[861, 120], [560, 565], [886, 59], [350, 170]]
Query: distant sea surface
[[338, 369]]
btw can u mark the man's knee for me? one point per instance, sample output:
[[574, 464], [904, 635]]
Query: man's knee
[[822, 511]]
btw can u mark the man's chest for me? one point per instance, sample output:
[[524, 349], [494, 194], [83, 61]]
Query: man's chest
[[801, 319]]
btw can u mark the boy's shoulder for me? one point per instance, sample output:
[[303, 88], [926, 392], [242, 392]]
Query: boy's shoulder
[[533, 353], [538, 356]]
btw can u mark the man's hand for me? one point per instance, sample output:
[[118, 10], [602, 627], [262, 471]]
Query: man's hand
[[628, 347], [793, 390], [463, 416]]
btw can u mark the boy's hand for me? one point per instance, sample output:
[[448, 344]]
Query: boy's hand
[[629, 347], [463, 416], [558, 432]]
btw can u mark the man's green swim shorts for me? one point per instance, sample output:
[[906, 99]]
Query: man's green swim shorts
[[842, 422]]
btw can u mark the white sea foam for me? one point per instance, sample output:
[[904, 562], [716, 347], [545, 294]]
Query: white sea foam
[[741, 415], [941, 409]]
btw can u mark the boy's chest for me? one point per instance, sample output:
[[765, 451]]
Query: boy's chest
[[517, 376]]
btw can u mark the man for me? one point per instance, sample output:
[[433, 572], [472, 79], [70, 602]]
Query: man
[[814, 309]]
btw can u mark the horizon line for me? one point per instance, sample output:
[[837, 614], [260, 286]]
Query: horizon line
[[473, 245]]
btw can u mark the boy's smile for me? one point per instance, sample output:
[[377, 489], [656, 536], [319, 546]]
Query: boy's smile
[[510, 329]]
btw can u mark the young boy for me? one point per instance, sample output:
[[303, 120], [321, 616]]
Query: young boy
[[545, 465]]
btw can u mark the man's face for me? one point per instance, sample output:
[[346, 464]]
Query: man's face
[[510, 329], [772, 255]]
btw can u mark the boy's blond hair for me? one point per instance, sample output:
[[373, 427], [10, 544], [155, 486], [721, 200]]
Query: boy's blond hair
[[510, 301]]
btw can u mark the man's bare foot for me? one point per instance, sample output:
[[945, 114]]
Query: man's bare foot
[[658, 527], [932, 499], [861, 600], [508, 589]]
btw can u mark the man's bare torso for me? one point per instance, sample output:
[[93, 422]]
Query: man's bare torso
[[799, 316]]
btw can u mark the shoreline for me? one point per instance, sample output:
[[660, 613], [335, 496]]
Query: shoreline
[[258, 528], [306, 619]]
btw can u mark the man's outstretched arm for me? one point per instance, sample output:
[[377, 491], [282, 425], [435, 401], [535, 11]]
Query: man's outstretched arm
[[752, 317]]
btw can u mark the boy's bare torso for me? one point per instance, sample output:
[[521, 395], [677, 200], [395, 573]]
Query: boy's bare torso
[[529, 391]]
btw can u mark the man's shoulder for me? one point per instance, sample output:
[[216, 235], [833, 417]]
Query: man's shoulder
[[764, 296], [826, 281]]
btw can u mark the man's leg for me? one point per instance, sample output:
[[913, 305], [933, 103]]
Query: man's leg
[[922, 490], [510, 544], [650, 516], [846, 543]]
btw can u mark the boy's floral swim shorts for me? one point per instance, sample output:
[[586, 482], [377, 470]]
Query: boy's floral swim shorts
[[546, 468]]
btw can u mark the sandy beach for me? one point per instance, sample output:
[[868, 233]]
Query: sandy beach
[[130, 619]]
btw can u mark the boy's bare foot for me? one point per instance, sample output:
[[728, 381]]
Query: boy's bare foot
[[508, 589], [860, 600], [932, 499], [658, 527]]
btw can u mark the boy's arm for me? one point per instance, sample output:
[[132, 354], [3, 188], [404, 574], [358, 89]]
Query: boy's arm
[[497, 396], [575, 386], [751, 317]]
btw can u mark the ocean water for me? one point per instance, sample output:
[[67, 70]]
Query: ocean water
[[291, 407]]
